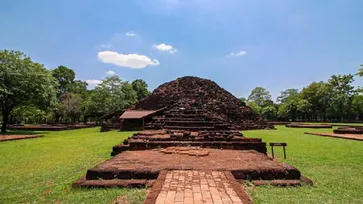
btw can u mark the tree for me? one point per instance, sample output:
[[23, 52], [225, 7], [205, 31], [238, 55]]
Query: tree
[[286, 94], [318, 95], [303, 108], [140, 87], [243, 100], [269, 112], [70, 106], [110, 96], [289, 109], [78, 87], [342, 93], [259, 95], [255, 107], [23, 82], [30, 114], [360, 71], [65, 78], [357, 106]]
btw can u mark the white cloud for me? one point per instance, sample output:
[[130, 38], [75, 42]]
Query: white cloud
[[111, 73], [165, 48], [134, 61], [131, 34], [238, 54], [92, 83], [106, 46]]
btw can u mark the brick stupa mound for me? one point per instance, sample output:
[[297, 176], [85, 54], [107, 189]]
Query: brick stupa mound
[[198, 130], [197, 93]]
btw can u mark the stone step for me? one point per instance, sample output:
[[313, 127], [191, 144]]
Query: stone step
[[187, 128]]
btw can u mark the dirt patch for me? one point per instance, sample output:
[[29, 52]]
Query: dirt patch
[[190, 151], [4, 138], [121, 200], [358, 137]]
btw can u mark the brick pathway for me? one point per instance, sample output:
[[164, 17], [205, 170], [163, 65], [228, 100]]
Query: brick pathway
[[197, 187]]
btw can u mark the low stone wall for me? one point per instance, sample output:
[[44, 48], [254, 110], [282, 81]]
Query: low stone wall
[[302, 125], [49, 127]]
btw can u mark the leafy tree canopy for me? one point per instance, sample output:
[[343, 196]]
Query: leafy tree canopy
[[23, 82], [140, 87], [259, 95]]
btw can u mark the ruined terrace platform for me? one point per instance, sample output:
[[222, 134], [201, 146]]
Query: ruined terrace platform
[[147, 164], [358, 137]]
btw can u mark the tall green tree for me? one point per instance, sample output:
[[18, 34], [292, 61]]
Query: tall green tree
[[78, 87], [357, 106], [289, 108], [111, 95], [23, 82], [141, 88], [260, 96], [318, 95], [342, 94], [285, 95], [71, 106], [360, 71], [269, 112], [255, 107], [65, 77]]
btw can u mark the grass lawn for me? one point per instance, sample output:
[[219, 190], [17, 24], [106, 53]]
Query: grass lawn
[[334, 165], [42, 170]]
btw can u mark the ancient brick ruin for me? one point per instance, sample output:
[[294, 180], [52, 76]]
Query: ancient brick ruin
[[198, 130], [349, 130], [189, 127], [305, 125], [203, 94]]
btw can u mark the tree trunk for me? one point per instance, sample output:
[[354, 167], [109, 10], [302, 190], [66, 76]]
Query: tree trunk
[[5, 122]]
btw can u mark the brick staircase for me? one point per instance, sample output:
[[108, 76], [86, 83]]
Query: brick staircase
[[189, 127]]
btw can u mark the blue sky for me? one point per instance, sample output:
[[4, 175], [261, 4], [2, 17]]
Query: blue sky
[[240, 44]]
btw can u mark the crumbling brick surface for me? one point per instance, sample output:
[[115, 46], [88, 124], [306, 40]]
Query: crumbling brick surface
[[193, 92]]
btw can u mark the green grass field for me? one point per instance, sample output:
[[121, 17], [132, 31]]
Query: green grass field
[[334, 165], [42, 170]]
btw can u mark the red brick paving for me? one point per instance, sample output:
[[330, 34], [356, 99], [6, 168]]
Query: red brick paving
[[199, 187]]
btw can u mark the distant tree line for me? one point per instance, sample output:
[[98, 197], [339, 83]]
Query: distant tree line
[[333, 100], [30, 93]]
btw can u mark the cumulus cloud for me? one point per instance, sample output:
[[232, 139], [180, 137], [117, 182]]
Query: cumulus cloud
[[131, 34], [92, 83], [111, 73], [238, 54], [134, 61], [165, 48]]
